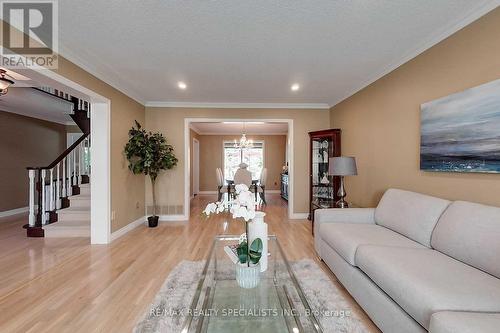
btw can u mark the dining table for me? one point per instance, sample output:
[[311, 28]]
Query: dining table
[[230, 184]]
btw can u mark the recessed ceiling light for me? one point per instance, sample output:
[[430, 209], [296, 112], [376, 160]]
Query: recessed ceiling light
[[295, 87], [181, 85]]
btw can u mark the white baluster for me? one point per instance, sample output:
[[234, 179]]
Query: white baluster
[[84, 156], [69, 189], [31, 219], [89, 155], [58, 187], [51, 189], [64, 189], [80, 160], [43, 196], [74, 167]]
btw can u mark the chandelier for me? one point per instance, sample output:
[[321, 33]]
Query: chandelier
[[4, 82], [244, 142]]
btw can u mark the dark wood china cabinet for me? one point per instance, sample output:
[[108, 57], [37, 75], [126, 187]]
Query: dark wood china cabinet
[[323, 187]]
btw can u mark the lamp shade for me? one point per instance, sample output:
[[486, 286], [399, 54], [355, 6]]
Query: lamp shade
[[342, 166]]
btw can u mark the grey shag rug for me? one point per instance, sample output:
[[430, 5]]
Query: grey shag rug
[[166, 314]]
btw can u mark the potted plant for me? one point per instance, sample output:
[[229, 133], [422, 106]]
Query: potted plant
[[247, 268], [148, 153]]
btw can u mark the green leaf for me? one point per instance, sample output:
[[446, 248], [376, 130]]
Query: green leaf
[[148, 153], [242, 250], [256, 250]]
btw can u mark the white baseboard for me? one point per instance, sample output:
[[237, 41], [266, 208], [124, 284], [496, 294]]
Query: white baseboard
[[173, 218], [14, 211], [299, 216], [207, 192], [129, 227]]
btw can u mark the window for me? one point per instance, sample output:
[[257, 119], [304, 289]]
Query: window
[[254, 157]]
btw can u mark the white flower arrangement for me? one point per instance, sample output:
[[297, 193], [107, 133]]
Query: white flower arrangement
[[242, 207]]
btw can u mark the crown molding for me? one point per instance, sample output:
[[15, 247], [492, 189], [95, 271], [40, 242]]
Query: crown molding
[[75, 59], [472, 16], [319, 106], [239, 134]]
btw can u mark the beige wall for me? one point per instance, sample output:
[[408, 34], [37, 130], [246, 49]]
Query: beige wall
[[381, 124], [211, 157], [24, 142], [170, 121], [127, 190]]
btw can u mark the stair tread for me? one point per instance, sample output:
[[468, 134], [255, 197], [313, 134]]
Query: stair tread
[[74, 209], [67, 229], [80, 197], [66, 226], [75, 221]]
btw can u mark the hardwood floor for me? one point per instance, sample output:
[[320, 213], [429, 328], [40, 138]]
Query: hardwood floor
[[67, 285]]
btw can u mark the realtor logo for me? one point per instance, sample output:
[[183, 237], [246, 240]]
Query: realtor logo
[[29, 34]]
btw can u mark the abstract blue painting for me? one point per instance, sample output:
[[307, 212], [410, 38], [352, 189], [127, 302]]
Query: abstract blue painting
[[461, 132]]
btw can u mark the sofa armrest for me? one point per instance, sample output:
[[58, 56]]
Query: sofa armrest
[[464, 322], [343, 215]]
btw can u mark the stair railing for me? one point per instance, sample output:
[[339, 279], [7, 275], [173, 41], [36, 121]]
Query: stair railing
[[53, 184], [50, 186]]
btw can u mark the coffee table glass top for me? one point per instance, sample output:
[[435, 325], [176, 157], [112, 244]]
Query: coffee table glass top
[[276, 305]]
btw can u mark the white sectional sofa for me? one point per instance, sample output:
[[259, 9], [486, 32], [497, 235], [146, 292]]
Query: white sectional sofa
[[417, 263]]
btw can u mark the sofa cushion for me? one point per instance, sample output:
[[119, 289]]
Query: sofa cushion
[[425, 281], [464, 322], [345, 238], [470, 233], [411, 214]]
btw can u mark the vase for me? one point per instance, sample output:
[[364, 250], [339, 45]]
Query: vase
[[325, 180], [247, 276], [257, 228]]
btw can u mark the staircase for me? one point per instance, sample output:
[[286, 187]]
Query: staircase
[[73, 221], [59, 194]]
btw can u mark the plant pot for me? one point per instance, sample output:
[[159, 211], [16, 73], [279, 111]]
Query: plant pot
[[247, 277], [153, 221]]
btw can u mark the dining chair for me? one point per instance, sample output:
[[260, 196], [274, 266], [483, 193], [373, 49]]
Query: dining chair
[[222, 187], [261, 188]]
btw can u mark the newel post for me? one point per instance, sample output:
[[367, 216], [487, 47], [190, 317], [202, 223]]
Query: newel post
[[31, 219]]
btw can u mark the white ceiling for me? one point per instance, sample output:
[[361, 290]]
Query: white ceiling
[[237, 128], [241, 51], [32, 103]]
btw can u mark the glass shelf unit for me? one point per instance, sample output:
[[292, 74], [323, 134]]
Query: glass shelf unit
[[323, 187]]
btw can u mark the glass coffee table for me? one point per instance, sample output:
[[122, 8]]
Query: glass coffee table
[[276, 305]]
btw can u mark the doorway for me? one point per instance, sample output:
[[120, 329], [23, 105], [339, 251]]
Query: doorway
[[196, 167], [100, 137], [205, 127]]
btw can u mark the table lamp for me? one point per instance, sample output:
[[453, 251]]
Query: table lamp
[[342, 166]]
